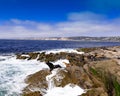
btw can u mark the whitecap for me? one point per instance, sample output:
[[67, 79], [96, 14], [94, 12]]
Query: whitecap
[[68, 90], [13, 73], [54, 51]]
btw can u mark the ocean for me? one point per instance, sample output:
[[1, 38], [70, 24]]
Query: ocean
[[16, 46], [14, 71]]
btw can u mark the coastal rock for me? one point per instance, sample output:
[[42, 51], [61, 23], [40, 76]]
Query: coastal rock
[[28, 56], [37, 93], [36, 82], [87, 50], [109, 66], [76, 59], [41, 57], [32, 56], [95, 92], [98, 71], [21, 56], [106, 71]]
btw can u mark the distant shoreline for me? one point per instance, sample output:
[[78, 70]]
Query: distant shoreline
[[59, 40], [81, 39]]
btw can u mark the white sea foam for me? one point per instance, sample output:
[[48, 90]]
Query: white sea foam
[[25, 55], [13, 72], [62, 50], [68, 90], [61, 62], [50, 78], [2, 57]]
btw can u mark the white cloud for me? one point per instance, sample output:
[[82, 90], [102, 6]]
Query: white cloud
[[85, 16], [78, 24]]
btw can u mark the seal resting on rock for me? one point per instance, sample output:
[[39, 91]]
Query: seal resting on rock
[[51, 66]]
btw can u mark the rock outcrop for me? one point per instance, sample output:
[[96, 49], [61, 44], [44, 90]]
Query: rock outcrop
[[97, 71], [36, 82]]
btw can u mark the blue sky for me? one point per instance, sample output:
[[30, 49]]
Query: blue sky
[[54, 18]]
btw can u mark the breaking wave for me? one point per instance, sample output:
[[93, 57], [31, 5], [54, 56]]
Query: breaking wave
[[13, 73]]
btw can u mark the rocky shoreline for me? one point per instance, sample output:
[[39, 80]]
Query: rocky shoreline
[[97, 70]]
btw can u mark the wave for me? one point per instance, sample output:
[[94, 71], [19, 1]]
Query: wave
[[13, 73], [61, 50]]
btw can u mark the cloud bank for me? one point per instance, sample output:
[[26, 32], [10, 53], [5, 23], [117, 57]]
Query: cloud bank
[[77, 24]]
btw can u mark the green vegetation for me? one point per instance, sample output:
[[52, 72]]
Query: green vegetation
[[95, 72], [109, 80], [117, 88]]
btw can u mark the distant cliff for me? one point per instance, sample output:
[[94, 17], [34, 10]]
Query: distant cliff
[[117, 39], [80, 38]]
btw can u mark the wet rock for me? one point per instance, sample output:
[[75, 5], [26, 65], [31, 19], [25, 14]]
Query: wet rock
[[51, 57], [37, 81], [21, 56], [86, 50], [76, 59], [41, 57], [77, 75], [37, 93], [97, 70], [33, 56]]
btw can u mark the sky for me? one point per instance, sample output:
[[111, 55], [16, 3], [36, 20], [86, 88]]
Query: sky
[[59, 18]]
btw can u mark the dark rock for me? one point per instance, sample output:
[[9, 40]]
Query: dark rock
[[33, 56], [76, 59]]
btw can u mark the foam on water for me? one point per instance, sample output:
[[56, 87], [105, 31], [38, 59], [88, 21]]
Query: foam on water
[[68, 90], [61, 62], [62, 50], [13, 72], [25, 55], [50, 78]]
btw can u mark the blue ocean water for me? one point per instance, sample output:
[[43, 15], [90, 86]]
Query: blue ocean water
[[15, 46]]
